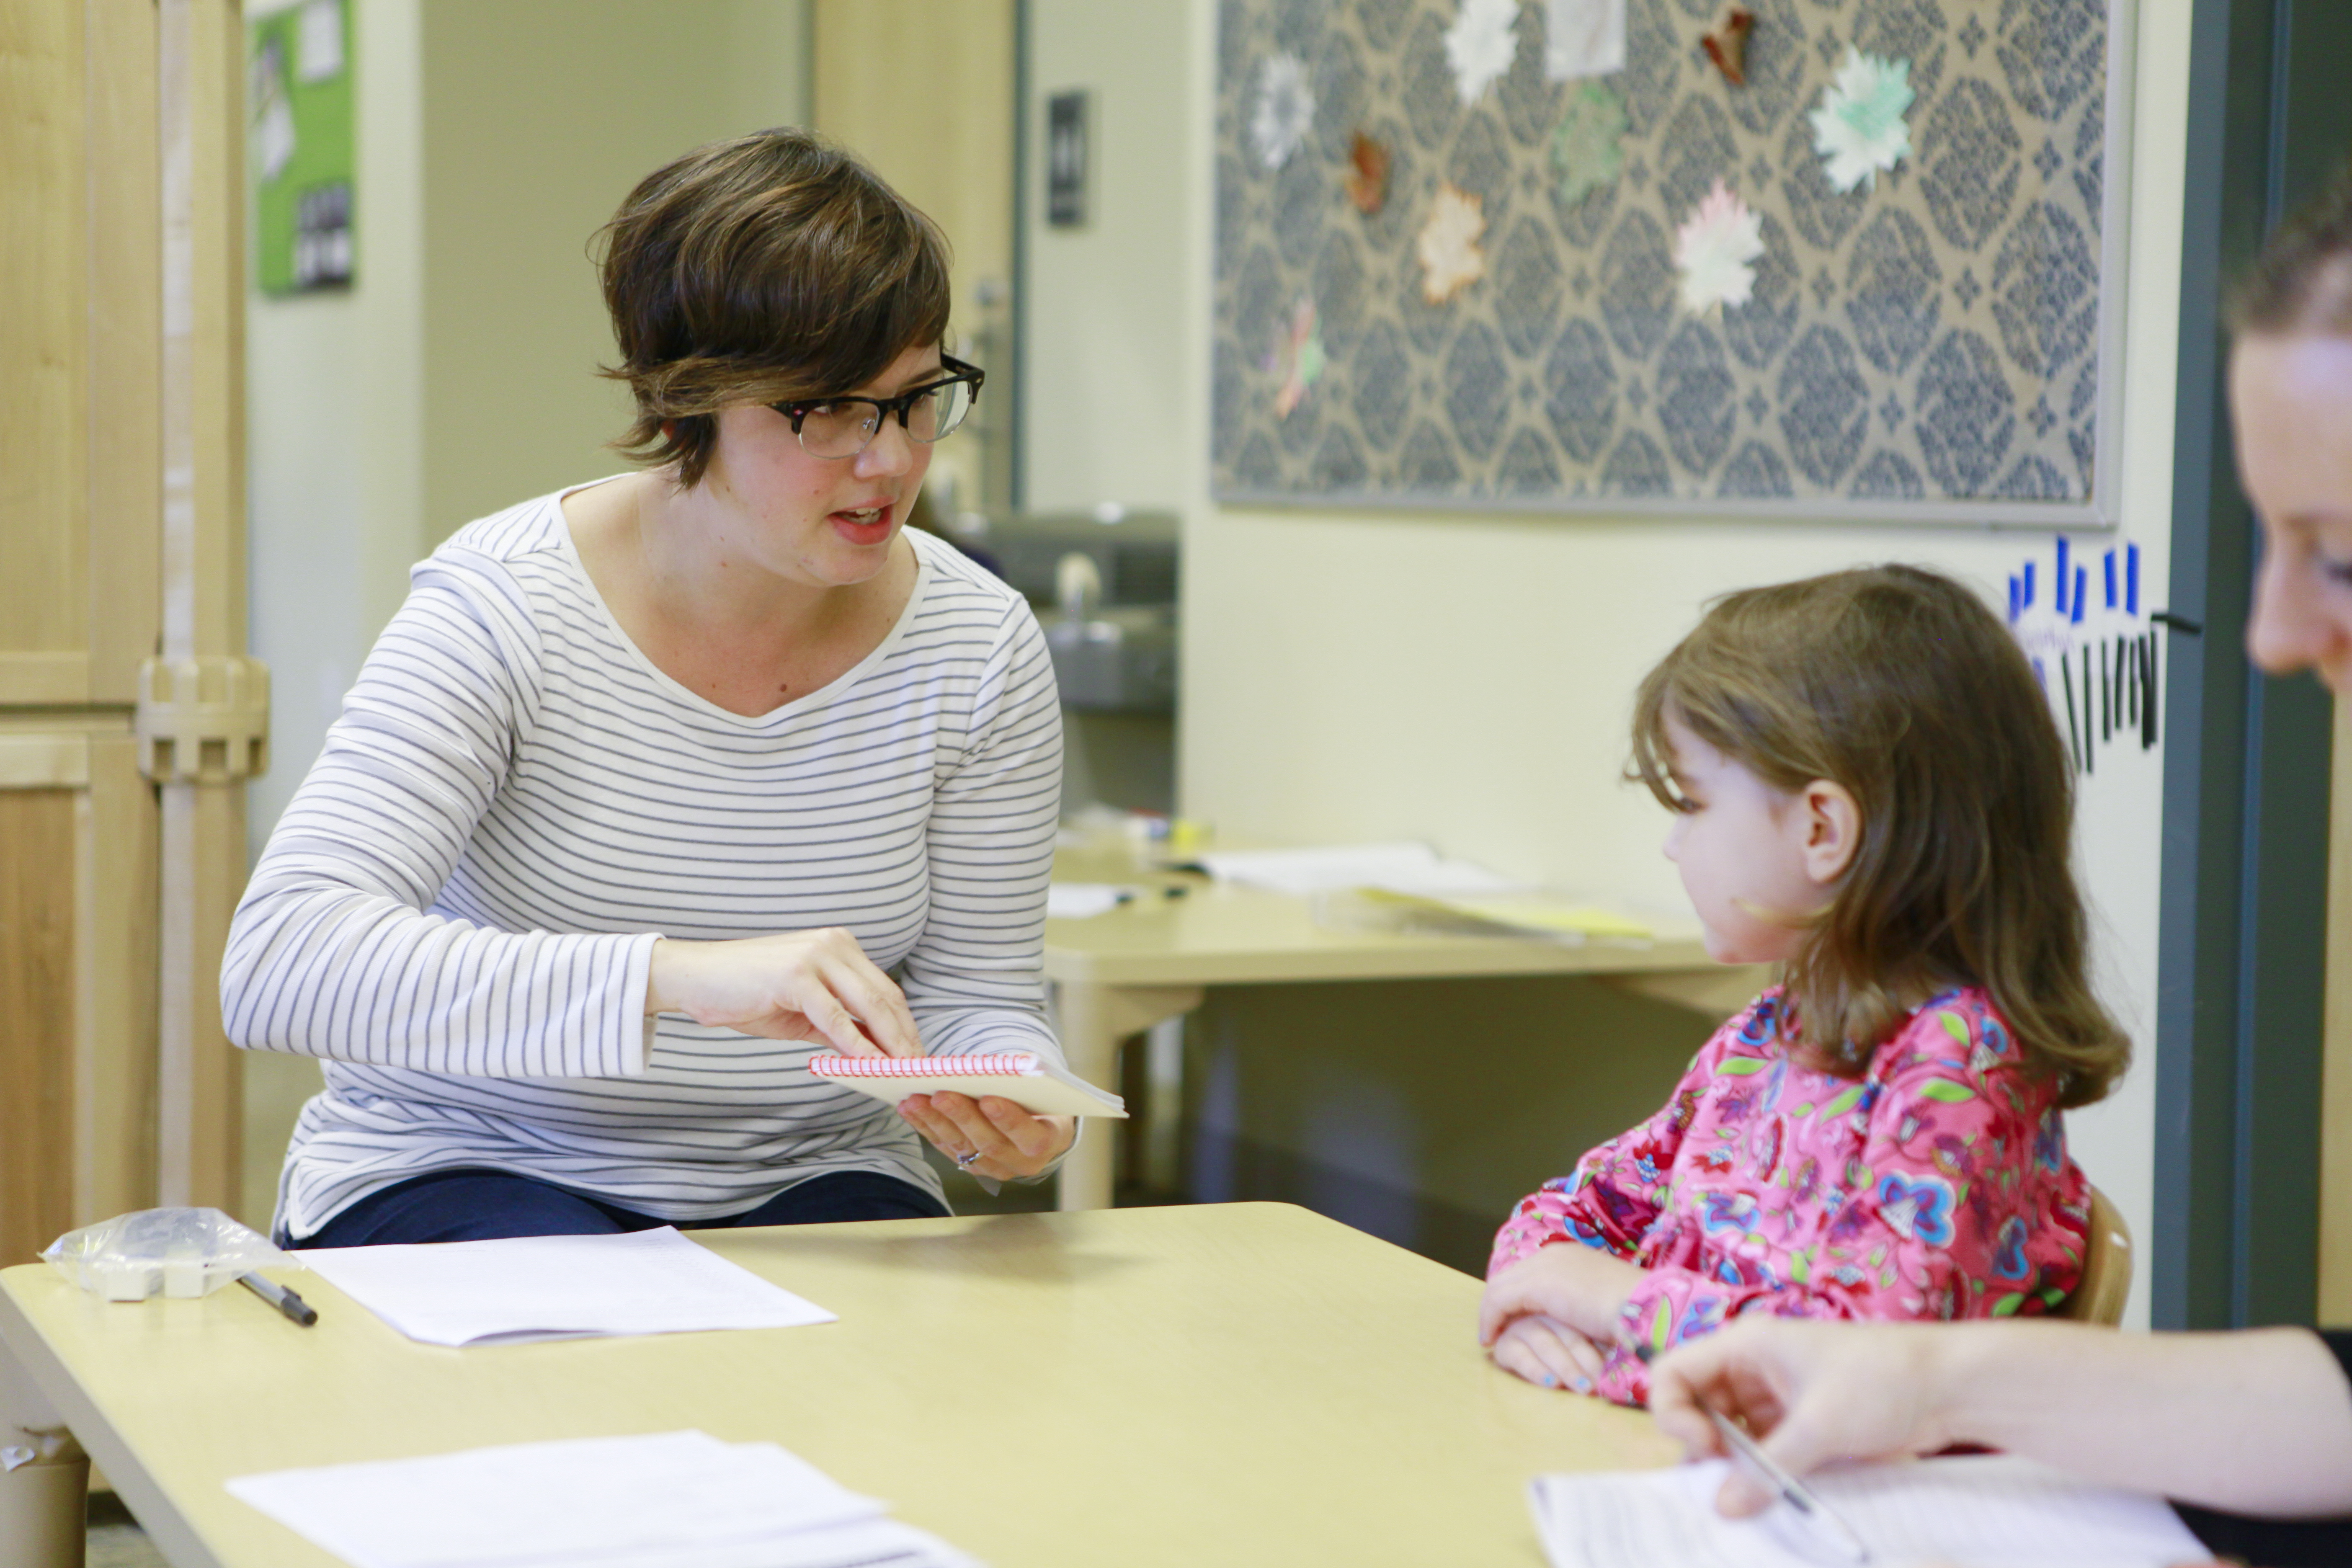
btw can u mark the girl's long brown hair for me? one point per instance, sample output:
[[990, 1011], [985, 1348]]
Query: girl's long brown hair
[[1903, 686]]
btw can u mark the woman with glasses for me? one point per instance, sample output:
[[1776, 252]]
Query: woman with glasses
[[655, 784]]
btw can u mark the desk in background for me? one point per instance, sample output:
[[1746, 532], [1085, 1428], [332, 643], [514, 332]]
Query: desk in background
[[1119, 974], [1223, 1383]]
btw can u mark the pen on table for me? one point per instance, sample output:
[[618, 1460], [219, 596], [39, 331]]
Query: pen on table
[[1130, 895], [1788, 1488], [278, 1296]]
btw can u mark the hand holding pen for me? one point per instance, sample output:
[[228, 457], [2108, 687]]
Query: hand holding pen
[[1702, 1399]]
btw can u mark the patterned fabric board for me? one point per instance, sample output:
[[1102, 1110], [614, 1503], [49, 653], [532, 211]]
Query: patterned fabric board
[[1930, 338]]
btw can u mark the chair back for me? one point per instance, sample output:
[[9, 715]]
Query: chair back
[[2105, 1284]]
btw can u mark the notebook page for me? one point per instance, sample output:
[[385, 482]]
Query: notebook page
[[541, 1287], [1991, 1511]]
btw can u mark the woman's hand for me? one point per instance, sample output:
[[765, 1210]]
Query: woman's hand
[[1576, 1285], [1547, 1350], [814, 985], [989, 1136], [1813, 1391]]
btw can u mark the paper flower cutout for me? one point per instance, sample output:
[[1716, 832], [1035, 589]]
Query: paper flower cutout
[[1728, 44], [1859, 128], [1299, 357], [1714, 251], [1587, 146], [1451, 259], [1367, 174], [1583, 37], [1481, 44], [1285, 109]]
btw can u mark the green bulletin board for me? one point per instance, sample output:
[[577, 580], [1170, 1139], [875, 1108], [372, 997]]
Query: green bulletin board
[[299, 135]]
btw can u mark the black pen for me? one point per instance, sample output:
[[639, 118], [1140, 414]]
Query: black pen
[[278, 1296]]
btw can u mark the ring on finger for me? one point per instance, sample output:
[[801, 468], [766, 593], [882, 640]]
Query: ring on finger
[[965, 1160]]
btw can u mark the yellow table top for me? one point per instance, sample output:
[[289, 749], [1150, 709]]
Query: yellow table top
[[1231, 1384], [1220, 934]]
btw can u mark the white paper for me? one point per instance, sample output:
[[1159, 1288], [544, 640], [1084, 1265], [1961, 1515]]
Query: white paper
[[1082, 900], [319, 37], [558, 1286], [1583, 37], [680, 1499], [1976, 1513], [1399, 867]]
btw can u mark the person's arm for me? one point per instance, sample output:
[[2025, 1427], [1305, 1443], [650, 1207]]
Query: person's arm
[[1617, 1190], [975, 979], [1561, 1264], [2257, 1422], [336, 949]]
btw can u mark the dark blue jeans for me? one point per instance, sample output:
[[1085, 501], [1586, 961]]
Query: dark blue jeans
[[482, 1205]]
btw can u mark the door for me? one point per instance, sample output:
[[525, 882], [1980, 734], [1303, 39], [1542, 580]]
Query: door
[[127, 720]]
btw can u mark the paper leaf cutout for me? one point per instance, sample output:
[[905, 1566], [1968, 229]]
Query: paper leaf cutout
[[1586, 147], [1583, 37], [1715, 249], [1859, 128], [1481, 44], [1451, 259], [1286, 109], [1299, 357], [1728, 44], [1367, 174]]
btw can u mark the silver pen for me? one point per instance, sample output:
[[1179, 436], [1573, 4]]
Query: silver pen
[[297, 1310], [1792, 1491]]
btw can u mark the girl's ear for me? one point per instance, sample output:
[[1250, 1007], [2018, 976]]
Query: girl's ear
[[1829, 821]]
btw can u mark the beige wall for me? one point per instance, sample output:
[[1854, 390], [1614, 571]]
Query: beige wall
[[1465, 678], [539, 116]]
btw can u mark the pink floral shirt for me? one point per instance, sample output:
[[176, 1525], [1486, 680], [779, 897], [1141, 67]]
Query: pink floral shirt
[[1935, 1185]]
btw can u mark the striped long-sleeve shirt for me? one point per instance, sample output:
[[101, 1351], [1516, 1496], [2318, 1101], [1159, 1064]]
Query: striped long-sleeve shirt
[[458, 908]]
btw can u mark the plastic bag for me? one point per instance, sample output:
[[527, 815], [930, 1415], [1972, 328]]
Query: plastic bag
[[180, 1252]]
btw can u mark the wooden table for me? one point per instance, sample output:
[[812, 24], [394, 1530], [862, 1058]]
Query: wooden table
[[1225, 1383], [1119, 973]]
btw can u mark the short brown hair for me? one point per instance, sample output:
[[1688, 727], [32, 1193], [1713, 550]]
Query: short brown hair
[[772, 267], [2301, 279], [1904, 687]]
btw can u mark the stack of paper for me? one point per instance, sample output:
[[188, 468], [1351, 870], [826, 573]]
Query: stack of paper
[[558, 1286], [1083, 900], [1991, 1511], [1399, 867], [681, 1500], [1522, 915]]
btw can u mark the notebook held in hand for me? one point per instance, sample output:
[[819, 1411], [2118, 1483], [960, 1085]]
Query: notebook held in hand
[[1028, 1080]]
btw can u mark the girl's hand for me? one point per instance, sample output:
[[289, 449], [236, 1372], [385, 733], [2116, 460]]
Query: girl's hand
[[989, 1136], [1547, 1350], [1581, 1286], [814, 985]]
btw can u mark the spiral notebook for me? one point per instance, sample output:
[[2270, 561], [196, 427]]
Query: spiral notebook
[[1024, 1078]]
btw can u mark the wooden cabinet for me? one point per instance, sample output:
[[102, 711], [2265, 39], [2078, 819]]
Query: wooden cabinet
[[120, 539]]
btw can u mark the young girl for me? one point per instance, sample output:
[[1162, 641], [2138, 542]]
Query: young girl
[[1869, 791]]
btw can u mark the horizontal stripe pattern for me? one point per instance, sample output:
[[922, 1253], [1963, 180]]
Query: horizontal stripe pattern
[[457, 908]]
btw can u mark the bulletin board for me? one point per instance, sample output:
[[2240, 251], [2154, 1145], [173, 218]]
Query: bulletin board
[[1817, 259]]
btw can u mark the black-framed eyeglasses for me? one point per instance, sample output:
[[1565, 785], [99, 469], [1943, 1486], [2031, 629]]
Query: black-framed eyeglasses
[[845, 426]]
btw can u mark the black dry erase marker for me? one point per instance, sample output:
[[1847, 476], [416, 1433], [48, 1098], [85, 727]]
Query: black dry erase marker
[[278, 1296]]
